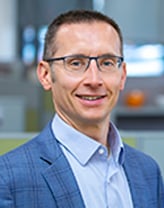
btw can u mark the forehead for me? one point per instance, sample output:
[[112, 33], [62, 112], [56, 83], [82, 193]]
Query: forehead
[[93, 36]]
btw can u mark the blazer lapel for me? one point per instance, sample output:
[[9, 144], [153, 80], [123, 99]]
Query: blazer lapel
[[62, 183], [135, 179], [58, 174]]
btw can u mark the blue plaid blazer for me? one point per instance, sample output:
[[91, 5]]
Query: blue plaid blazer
[[37, 175]]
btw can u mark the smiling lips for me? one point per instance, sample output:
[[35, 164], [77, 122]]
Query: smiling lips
[[91, 98]]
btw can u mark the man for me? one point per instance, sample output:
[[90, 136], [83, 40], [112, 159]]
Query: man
[[79, 160]]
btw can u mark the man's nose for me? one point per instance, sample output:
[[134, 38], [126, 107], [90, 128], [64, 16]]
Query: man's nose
[[93, 74]]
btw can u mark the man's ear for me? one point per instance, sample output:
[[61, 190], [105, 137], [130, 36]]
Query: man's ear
[[123, 76], [44, 74]]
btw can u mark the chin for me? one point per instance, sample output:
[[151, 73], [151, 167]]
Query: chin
[[93, 120]]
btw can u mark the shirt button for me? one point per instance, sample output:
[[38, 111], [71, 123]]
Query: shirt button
[[101, 151]]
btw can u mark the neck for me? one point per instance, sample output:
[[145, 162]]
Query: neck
[[96, 132]]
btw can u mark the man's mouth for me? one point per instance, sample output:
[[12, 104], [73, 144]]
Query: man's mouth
[[91, 98]]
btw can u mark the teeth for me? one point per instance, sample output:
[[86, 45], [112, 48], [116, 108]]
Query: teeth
[[91, 98]]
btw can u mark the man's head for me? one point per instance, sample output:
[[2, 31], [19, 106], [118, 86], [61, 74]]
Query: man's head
[[75, 17], [83, 67]]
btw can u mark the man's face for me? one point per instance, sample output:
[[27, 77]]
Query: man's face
[[88, 98]]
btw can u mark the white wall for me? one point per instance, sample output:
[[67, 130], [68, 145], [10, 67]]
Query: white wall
[[8, 24], [139, 20]]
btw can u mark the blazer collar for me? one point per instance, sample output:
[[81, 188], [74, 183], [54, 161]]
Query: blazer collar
[[58, 173]]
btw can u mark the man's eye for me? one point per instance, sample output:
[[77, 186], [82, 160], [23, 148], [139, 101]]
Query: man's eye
[[107, 63], [76, 63]]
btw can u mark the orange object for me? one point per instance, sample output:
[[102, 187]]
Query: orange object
[[135, 98]]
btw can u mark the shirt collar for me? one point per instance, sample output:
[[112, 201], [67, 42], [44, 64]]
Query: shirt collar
[[75, 142], [116, 144]]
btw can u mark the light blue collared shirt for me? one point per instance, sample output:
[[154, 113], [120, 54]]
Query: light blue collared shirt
[[100, 176]]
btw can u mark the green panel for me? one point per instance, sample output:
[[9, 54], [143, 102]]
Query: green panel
[[48, 104], [9, 144], [32, 123], [130, 141]]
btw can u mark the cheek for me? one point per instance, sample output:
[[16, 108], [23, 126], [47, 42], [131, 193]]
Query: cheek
[[63, 87], [119, 81], [60, 96], [114, 84]]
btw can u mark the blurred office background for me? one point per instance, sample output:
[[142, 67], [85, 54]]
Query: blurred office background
[[25, 108]]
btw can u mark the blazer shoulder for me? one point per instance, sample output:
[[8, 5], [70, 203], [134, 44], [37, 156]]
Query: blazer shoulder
[[32, 147], [140, 158]]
